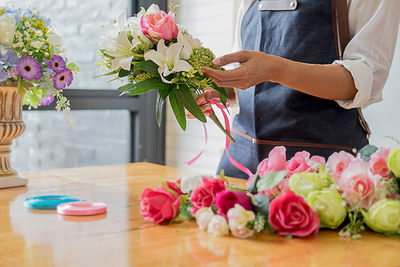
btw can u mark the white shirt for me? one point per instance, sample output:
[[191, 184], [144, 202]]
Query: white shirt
[[368, 56]]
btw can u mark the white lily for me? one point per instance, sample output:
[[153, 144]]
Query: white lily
[[188, 44], [168, 59], [121, 52]]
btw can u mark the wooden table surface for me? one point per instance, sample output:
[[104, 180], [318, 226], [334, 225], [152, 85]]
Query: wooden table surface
[[123, 238]]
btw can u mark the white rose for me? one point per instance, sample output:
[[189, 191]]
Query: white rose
[[218, 226], [203, 217], [7, 29], [189, 183], [238, 218]]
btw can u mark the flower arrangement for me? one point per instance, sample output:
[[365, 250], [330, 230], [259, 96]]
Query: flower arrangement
[[30, 58], [154, 53], [295, 197]]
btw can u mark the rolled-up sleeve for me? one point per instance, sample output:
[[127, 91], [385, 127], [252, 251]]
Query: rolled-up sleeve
[[368, 56]]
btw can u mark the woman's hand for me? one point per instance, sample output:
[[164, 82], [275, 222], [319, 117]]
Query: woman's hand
[[255, 67]]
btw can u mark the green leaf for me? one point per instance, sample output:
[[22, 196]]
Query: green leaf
[[261, 204], [252, 185], [143, 87], [185, 96], [52, 50], [73, 67], [178, 109], [367, 151], [159, 109], [270, 180], [126, 87], [123, 73], [107, 74], [147, 66], [164, 93], [223, 94]]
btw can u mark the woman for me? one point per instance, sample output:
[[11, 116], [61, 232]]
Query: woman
[[293, 90]]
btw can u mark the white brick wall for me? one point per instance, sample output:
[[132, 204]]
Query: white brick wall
[[213, 22]]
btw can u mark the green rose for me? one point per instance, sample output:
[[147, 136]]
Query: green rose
[[306, 182], [329, 205], [393, 161], [384, 216]]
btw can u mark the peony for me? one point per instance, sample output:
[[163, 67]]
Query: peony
[[159, 205], [329, 205], [289, 214], [203, 218], [377, 163], [338, 162], [157, 24], [189, 183], [358, 185], [306, 182], [225, 200], [394, 161], [218, 226], [7, 29], [301, 162], [384, 216], [238, 218], [204, 195]]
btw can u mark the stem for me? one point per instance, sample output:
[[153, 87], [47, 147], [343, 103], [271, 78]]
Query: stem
[[214, 118]]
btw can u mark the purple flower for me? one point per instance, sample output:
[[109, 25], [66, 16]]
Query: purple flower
[[3, 76], [29, 69], [47, 100], [63, 79], [57, 63]]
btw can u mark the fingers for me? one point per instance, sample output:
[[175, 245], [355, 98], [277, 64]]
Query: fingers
[[229, 75], [240, 57]]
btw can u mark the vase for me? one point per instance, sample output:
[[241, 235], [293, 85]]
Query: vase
[[11, 126]]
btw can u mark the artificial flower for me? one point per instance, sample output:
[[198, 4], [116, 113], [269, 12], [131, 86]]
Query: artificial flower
[[47, 100], [238, 218], [218, 226], [63, 79], [289, 214], [189, 183], [226, 199], [394, 161], [29, 69], [157, 24], [338, 162], [121, 52], [175, 187], [377, 162], [302, 162], [159, 205], [57, 63], [305, 182], [168, 59], [203, 218], [384, 216], [189, 43], [204, 195], [329, 205]]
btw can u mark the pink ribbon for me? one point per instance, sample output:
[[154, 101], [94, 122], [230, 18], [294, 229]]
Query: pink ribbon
[[217, 102]]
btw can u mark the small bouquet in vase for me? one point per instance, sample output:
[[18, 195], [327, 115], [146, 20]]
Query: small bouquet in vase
[[154, 53]]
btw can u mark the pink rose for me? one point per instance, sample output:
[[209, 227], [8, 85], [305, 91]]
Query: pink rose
[[300, 162], [174, 186], [204, 196], [377, 163], [159, 205], [225, 200], [157, 24], [282, 187], [276, 161], [338, 162], [359, 187], [289, 214]]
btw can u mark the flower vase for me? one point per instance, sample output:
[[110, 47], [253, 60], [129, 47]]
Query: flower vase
[[11, 126]]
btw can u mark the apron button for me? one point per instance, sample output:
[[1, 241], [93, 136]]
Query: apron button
[[260, 6], [253, 140], [354, 150], [292, 4]]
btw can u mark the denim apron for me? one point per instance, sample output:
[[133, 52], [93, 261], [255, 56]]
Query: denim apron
[[277, 115]]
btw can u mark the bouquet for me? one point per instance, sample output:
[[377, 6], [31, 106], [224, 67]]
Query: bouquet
[[295, 197], [30, 58], [154, 53]]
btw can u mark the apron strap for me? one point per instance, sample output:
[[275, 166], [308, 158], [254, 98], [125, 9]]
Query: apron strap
[[340, 21]]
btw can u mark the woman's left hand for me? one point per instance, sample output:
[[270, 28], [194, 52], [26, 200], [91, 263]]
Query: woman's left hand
[[255, 67]]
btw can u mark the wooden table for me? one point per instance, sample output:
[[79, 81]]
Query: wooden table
[[123, 238]]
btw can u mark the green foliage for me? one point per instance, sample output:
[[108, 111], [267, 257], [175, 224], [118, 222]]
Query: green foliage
[[143, 87], [252, 185], [261, 204], [185, 207], [185, 96], [147, 66], [178, 109], [270, 180], [367, 151]]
